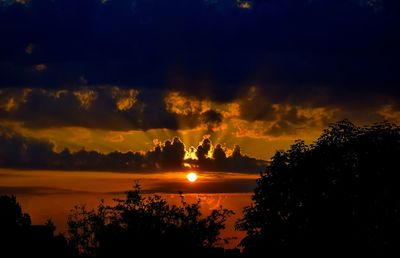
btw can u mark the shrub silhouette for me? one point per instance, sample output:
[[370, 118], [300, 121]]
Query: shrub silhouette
[[145, 226], [338, 196]]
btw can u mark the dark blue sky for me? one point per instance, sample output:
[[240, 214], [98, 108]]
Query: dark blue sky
[[203, 47]]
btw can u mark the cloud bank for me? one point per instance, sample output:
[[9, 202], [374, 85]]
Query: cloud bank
[[17, 151]]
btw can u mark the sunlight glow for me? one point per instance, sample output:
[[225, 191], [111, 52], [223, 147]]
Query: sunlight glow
[[192, 177]]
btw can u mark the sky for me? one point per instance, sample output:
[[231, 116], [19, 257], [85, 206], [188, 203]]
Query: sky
[[105, 78]]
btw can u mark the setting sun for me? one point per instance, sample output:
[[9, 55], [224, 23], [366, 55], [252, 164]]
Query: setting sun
[[192, 177]]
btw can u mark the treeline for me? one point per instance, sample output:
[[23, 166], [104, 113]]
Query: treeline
[[17, 151]]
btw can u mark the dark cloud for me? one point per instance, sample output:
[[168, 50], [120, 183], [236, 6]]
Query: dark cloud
[[212, 49], [203, 149], [225, 186], [169, 155], [254, 106], [216, 159], [17, 151], [106, 107], [280, 127], [33, 190], [212, 119], [112, 108], [219, 153]]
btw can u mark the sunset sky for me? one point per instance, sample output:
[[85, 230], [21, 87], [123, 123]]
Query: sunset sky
[[125, 75], [97, 95]]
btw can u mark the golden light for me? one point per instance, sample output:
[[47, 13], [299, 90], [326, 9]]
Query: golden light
[[192, 177]]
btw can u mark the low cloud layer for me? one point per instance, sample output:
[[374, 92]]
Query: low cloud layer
[[18, 151]]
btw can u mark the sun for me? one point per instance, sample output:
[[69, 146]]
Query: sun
[[192, 177]]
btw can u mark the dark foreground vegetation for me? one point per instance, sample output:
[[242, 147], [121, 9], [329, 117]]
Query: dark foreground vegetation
[[337, 197], [135, 226]]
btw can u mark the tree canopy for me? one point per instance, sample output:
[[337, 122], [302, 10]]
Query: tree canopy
[[339, 195], [140, 225]]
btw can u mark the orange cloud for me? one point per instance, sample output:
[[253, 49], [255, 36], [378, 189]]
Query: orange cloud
[[125, 98], [114, 137], [389, 112], [85, 97], [10, 101], [10, 105], [179, 104], [244, 4]]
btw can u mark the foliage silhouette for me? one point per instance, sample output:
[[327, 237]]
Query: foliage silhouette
[[18, 238], [11, 215], [148, 226], [337, 196]]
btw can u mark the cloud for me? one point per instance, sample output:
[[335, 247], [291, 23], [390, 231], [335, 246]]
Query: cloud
[[390, 113], [217, 158], [244, 4], [259, 116], [227, 186], [40, 67], [212, 119], [32, 190], [293, 48], [18, 151], [281, 127], [10, 105], [160, 186], [85, 97], [181, 104], [104, 107], [255, 107], [115, 137], [122, 109], [12, 2], [261, 69], [29, 48], [125, 98]]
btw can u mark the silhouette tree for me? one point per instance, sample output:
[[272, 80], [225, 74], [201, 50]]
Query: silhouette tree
[[11, 215], [18, 238], [147, 226], [337, 196]]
